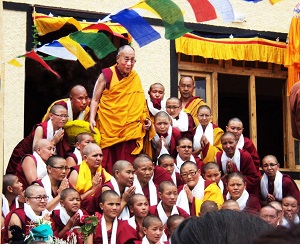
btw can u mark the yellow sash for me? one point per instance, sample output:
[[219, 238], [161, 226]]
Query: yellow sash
[[84, 181], [122, 111], [216, 147], [193, 107]]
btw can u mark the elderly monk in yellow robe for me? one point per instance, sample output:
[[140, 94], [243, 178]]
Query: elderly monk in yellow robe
[[190, 103], [118, 109]]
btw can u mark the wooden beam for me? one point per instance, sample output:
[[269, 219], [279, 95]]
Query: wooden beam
[[214, 98], [252, 110], [289, 149]]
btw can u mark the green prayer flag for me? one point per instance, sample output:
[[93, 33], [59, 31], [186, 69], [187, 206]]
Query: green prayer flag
[[98, 42], [171, 16]]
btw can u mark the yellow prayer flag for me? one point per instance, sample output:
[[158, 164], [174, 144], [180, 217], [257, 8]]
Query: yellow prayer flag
[[274, 1], [15, 62], [76, 49]]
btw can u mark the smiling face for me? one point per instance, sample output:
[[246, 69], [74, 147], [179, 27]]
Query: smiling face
[[229, 143], [126, 60], [236, 128], [37, 205], [270, 166], [236, 187], [168, 196], [190, 174], [71, 203]]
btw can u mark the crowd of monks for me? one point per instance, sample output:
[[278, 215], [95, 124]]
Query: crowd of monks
[[159, 161]]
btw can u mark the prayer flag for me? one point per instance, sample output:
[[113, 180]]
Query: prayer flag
[[32, 54], [15, 62], [56, 49], [255, 1], [224, 8], [274, 1], [143, 5], [138, 27], [99, 42], [203, 10], [171, 16], [75, 48]]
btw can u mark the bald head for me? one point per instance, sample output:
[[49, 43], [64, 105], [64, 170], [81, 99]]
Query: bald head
[[208, 206], [56, 107], [42, 143], [163, 115], [120, 165], [235, 119], [30, 190], [90, 148], [141, 159], [174, 99], [231, 204]]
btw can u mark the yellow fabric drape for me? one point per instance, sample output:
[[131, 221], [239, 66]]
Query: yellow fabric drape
[[292, 56], [213, 149], [212, 193], [122, 111], [84, 180], [250, 49], [192, 109]]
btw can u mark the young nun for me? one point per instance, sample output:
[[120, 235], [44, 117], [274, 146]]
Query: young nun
[[66, 220], [153, 230], [121, 183], [233, 159], [139, 209], [165, 140], [110, 229], [196, 190], [211, 171], [207, 138], [181, 120], [155, 99]]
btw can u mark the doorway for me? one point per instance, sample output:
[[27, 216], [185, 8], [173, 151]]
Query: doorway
[[233, 101]]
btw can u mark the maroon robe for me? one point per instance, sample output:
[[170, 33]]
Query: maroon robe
[[20, 172], [247, 168], [160, 175], [191, 129], [57, 226], [153, 210], [25, 147], [125, 233], [250, 148]]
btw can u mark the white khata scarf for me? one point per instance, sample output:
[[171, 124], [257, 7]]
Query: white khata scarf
[[182, 123], [209, 133], [47, 186], [41, 168], [5, 205], [221, 186], [241, 142], [277, 186], [70, 112], [145, 241], [113, 233], [64, 216], [31, 214], [179, 161], [198, 192], [50, 132], [78, 156], [236, 159], [156, 138], [131, 222], [125, 212], [242, 201], [153, 110], [152, 189], [162, 214]]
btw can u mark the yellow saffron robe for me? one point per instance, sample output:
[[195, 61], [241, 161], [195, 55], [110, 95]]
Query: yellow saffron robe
[[122, 111], [192, 108]]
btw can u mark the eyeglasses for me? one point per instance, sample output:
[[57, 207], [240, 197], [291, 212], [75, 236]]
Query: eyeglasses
[[185, 175], [61, 115], [269, 165], [172, 107], [60, 167], [126, 60], [188, 147], [39, 198]]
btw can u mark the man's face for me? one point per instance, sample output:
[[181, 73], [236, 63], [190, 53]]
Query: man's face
[[186, 87], [269, 215], [79, 100], [173, 107], [185, 149], [156, 91], [126, 60], [236, 128]]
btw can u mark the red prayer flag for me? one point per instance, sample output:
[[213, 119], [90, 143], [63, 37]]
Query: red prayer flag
[[203, 10], [32, 54]]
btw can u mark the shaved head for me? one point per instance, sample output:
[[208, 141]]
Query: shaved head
[[54, 109], [42, 143], [77, 89], [30, 190], [162, 114], [120, 165], [91, 147]]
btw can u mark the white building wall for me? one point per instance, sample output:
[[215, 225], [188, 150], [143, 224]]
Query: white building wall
[[153, 62]]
